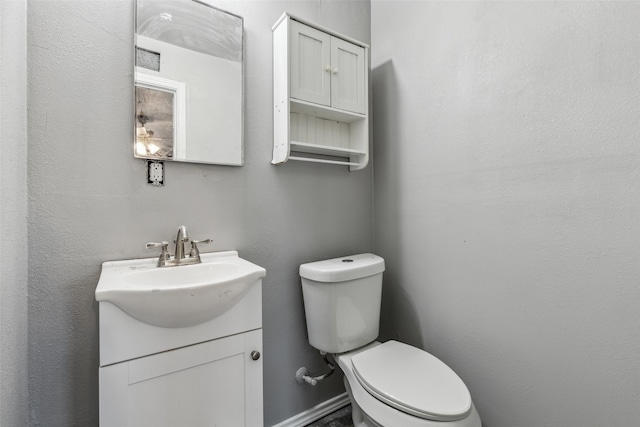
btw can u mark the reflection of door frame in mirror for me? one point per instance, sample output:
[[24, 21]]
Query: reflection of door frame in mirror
[[179, 109]]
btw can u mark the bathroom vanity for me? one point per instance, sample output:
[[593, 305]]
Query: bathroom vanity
[[174, 368]]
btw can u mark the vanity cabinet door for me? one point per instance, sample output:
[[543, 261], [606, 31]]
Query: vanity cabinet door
[[213, 383], [310, 64], [347, 76]]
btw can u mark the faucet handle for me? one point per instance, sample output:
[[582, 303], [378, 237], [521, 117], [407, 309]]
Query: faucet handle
[[205, 241], [164, 246], [194, 247]]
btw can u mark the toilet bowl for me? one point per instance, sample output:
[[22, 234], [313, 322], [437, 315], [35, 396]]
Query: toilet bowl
[[390, 384], [434, 396]]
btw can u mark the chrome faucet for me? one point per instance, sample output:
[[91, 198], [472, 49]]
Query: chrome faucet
[[181, 239], [180, 258]]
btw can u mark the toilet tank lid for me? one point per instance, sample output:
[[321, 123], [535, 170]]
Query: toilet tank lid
[[343, 268]]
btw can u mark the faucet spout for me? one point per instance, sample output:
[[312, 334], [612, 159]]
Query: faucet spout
[[180, 258], [181, 238]]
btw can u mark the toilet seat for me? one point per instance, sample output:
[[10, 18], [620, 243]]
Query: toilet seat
[[379, 413], [412, 381]]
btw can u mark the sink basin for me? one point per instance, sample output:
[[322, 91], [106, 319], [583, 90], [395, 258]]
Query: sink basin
[[177, 297]]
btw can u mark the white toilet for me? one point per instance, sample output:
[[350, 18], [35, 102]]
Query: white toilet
[[390, 384]]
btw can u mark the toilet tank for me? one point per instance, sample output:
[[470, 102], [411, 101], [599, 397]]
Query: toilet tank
[[342, 301]]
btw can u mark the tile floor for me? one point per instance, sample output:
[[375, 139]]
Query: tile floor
[[340, 418]]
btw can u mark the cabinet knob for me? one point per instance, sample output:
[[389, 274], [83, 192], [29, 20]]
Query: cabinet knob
[[327, 68], [336, 70], [255, 355]]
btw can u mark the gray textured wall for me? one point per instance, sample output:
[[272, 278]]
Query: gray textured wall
[[507, 168], [89, 201], [13, 213]]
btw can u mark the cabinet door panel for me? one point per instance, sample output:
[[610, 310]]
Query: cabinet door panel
[[348, 76], [213, 383], [201, 395], [310, 55]]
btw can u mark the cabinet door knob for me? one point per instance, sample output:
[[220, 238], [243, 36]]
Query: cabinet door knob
[[336, 70], [255, 355], [327, 68]]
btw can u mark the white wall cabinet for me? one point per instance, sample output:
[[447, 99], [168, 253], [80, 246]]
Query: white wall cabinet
[[320, 95], [326, 70]]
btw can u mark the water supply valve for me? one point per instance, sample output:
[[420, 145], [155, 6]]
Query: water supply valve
[[303, 375]]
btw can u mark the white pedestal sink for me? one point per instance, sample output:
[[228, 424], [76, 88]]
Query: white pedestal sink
[[181, 296]]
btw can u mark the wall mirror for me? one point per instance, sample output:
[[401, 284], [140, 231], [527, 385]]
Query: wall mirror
[[188, 83]]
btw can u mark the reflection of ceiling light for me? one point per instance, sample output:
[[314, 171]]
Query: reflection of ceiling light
[[166, 16], [141, 149], [153, 148], [142, 132], [144, 146]]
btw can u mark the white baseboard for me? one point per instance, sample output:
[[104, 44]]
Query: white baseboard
[[317, 412]]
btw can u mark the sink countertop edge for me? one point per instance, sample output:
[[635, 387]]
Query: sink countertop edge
[[119, 267]]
